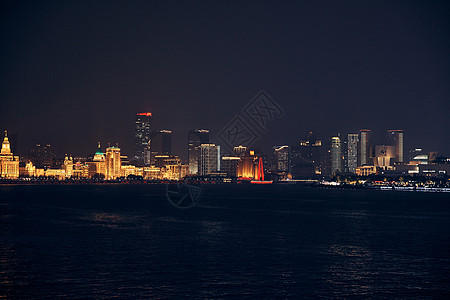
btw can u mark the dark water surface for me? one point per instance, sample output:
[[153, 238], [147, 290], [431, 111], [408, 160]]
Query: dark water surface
[[128, 241]]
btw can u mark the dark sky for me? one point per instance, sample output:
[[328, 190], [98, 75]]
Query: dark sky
[[75, 72]]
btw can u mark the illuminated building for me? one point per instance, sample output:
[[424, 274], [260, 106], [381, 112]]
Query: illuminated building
[[160, 144], [247, 165], [152, 172], [42, 156], [229, 165], [240, 150], [195, 139], [366, 170], [209, 159], [336, 155], [9, 164], [364, 140], [55, 173], [351, 153], [282, 159], [28, 170], [113, 163], [306, 157], [80, 170], [68, 166], [415, 152], [97, 167], [142, 131], [384, 156], [127, 170], [163, 160], [174, 172], [396, 139]]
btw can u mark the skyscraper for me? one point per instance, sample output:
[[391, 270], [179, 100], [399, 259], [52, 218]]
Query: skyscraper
[[113, 163], [142, 131], [160, 144], [336, 155], [307, 157], [351, 153], [364, 141], [195, 139], [396, 139], [43, 156], [282, 158], [209, 159]]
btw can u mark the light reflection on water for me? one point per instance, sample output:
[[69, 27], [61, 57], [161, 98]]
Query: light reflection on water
[[276, 245]]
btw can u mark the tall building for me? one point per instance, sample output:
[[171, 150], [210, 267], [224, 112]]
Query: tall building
[[336, 155], [306, 157], [351, 153], [209, 159], [195, 139], [9, 164], [229, 165], [68, 166], [396, 139], [113, 163], [160, 144], [240, 150], [142, 131], [384, 156], [364, 142], [282, 158], [97, 167], [42, 156]]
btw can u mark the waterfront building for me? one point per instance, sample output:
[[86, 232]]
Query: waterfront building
[[384, 156], [59, 174], [282, 158], [351, 153], [336, 155], [152, 173], [68, 166], [240, 150], [113, 163], [209, 159], [195, 139], [306, 157], [9, 164], [42, 156], [229, 165], [248, 166], [364, 144], [160, 144], [97, 167], [366, 170], [127, 170], [80, 170], [142, 131], [396, 139], [28, 170]]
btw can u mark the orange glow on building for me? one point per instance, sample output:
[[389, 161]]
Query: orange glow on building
[[148, 114]]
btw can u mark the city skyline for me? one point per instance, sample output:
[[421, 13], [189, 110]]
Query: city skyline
[[378, 65]]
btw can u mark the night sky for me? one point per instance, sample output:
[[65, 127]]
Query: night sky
[[76, 72]]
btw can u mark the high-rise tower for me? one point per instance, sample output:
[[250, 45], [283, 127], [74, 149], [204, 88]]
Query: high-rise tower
[[142, 131], [336, 155], [364, 141], [209, 159], [113, 163], [160, 144], [396, 139], [351, 153], [195, 139]]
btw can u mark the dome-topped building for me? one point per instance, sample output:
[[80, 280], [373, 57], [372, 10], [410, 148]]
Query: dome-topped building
[[9, 164]]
